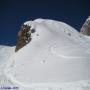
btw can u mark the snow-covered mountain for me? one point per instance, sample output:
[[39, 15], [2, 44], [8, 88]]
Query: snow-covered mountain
[[57, 57]]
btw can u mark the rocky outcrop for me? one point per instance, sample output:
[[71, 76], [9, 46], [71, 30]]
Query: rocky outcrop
[[23, 37], [86, 27]]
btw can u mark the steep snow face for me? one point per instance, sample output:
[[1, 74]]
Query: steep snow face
[[56, 53], [53, 27]]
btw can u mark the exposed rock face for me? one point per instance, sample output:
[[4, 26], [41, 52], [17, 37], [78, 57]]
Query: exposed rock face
[[86, 27], [23, 37]]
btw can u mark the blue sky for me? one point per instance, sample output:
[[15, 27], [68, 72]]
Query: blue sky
[[14, 12]]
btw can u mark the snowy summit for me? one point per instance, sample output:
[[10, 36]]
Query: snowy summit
[[50, 55]]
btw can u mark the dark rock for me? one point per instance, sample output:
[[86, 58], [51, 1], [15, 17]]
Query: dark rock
[[86, 27], [23, 37]]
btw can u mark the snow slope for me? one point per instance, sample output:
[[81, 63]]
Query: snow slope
[[5, 53], [57, 58]]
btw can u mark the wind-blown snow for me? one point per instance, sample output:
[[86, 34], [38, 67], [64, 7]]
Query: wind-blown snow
[[57, 58]]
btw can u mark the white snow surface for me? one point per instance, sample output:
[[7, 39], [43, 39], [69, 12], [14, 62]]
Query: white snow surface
[[5, 53], [57, 58]]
